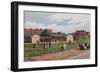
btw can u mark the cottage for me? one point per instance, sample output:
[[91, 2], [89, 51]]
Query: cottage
[[58, 37], [46, 36], [28, 33], [35, 38], [69, 38]]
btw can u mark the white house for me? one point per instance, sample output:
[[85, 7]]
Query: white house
[[69, 38], [35, 38]]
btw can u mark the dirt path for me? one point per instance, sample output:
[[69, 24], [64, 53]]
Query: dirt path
[[59, 55], [85, 55]]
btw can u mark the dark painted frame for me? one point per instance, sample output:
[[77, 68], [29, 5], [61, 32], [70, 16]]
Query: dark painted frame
[[14, 35]]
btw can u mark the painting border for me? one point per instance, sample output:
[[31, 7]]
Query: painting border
[[14, 35]]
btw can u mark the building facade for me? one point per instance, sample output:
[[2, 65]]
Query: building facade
[[35, 39], [46, 35], [69, 38]]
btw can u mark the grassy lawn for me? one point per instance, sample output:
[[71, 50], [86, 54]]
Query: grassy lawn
[[29, 51]]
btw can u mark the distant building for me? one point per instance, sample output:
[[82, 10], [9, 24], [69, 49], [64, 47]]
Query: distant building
[[58, 37], [46, 35], [43, 35], [81, 33], [35, 38], [27, 34], [69, 38]]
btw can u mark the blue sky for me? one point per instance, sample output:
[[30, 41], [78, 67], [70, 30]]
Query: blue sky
[[58, 22]]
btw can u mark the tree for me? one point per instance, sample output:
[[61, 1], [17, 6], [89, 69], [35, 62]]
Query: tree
[[82, 43], [46, 35]]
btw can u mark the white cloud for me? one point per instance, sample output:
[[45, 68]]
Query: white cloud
[[55, 28], [58, 17], [72, 18], [76, 22], [34, 25]]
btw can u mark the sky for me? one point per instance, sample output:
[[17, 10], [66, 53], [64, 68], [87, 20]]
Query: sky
[[57, 21]]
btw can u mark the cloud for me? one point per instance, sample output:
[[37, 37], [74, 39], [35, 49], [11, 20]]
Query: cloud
[[55, 28], [70, 18], [59, 22], [59, 17], [34, 25]]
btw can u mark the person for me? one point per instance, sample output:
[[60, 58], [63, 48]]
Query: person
[[64, 45]]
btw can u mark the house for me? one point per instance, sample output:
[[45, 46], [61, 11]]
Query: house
[[58, 37], [43, 35], [28, 33], [47, 36], [81, 33], [35, 38], [69, 38]]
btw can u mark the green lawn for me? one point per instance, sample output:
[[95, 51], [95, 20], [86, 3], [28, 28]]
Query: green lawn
[[29, 51]]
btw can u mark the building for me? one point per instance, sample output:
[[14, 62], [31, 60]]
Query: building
[[81, 33], [46, 35], [43, 35], [58, 37], [35, 38], [69, 38], [28, 33]]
